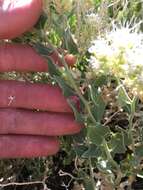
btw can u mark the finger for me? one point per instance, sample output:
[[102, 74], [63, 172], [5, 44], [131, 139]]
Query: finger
[[16, 17], [16, 94], [24, 58], [21, 146], [15, 121]]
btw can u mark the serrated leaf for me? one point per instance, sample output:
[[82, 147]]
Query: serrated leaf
[[99, 104], [58, 23], [67, 91], [123, 99], [80, 137], [97, 133], [126, 136], [92, 152], [68, 42], [78, 116], [52, 68], [79, 150], [134, 104], [42, 21], [139, 151], [43, 50], [99, 109], [118, 144]]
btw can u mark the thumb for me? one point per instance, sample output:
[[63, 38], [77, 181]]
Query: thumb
[[16, 17]]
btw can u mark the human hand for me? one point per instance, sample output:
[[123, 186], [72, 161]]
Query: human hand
[[23, 131]]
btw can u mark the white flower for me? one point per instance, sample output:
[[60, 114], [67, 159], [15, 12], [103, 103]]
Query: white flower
[[135, 58], [94, 63], [119, 53], [124, 38], [100, 48]]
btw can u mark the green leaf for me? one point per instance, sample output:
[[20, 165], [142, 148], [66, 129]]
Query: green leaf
[[127, 139], [139, 151], [43, 50], [67, 91], [117, 143], [99, 106], [53, 68], [100, 81], [88, 184], [59, 23], [80, 137], [123, 99], [92, 152], [78, 116], [97, 133], [134, 104], [79, 150], [126, 136], [99, 109], [42, 21], [68, 42]]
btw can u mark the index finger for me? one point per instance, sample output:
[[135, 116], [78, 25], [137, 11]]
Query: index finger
[[24, 58], [16, 17], [27, 146]]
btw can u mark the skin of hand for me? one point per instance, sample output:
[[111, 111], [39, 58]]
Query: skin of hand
[[26, 133]]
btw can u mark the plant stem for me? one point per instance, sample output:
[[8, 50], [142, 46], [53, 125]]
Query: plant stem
[[130, 131], [90, 167], [79, 93], [131, 117], [75, 86], [110, 159], [91, 173]]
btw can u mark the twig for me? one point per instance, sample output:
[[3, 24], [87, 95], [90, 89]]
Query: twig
[[62, 173], [111, 117], [21, 184]]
